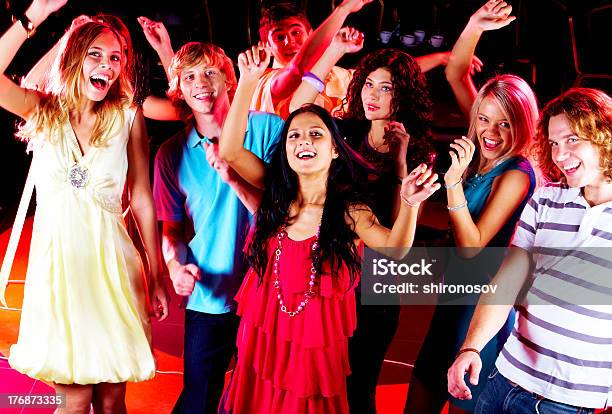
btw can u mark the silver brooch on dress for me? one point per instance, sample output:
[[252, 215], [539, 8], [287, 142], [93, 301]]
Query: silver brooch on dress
[[78, 176]]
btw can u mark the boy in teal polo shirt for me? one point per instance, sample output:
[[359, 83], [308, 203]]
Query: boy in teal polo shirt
[[201, 202]]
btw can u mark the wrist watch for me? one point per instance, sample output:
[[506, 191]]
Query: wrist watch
[[26, 24]]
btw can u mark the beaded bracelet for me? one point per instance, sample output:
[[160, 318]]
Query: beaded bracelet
[[464, 350], [448, 187], [459, 207]]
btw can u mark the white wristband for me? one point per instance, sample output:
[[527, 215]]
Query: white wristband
[[316, 83]]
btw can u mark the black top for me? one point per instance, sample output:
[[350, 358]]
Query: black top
[[383, 185]]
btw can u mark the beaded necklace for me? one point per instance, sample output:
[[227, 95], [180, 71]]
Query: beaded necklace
[[310, 293]]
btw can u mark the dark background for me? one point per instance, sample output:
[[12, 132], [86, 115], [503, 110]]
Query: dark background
[[537, 46]]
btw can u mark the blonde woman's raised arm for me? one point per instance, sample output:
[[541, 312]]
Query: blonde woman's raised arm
[[507, 193], [39, 72], [495, 14], [14, 98], [158, 37]]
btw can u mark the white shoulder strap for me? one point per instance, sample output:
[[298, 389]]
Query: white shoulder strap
[[22, 211]]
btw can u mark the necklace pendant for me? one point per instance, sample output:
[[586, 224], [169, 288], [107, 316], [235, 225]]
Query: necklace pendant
[[78, 176]]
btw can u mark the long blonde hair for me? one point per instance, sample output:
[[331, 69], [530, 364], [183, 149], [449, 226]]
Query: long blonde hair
[[520, 107], [63, 93]]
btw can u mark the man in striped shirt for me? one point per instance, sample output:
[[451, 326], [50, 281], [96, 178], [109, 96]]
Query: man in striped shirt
[[559, 356]]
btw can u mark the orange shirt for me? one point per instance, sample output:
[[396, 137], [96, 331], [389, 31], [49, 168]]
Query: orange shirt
[[336, 85]]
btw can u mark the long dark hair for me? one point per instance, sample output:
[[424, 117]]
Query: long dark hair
[[410, 105], [336, 237]]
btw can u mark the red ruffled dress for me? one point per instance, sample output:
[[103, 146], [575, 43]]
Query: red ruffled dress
[[292, 365]]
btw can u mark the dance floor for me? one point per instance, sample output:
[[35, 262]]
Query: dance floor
[[158, 395]]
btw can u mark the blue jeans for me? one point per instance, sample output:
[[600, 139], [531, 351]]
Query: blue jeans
[[500, 396], [210, 342]]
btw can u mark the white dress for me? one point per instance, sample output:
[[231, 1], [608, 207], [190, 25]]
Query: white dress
[[84, 318]]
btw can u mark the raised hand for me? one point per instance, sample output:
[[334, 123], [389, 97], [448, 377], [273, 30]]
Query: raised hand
[[348, 40], [397, 139], [253, 62], [156, 33], [494, 15], [476, 65], [79, 21], [419, 185], [49, 6], [39, 10], [461, 156], [212, 156], [353, 6]]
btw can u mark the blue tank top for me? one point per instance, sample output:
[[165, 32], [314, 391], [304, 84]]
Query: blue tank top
[[478, 188]]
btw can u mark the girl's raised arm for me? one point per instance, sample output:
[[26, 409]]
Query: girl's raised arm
[[37, 75], [13, 98], [153, 107], [347, 40], [493, 15], [251, 64]]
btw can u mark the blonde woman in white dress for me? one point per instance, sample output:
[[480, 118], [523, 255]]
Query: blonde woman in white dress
[[85, 320]]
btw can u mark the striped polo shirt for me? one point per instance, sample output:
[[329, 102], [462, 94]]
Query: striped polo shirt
[[561, 344]]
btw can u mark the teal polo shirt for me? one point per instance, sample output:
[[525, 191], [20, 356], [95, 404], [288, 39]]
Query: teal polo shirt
[[186, 188]]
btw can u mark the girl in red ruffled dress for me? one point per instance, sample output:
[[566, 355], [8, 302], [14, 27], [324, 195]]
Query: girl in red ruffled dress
[[297, 301]]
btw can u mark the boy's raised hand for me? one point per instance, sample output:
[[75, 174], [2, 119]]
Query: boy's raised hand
[[348, 40], [212, 156]]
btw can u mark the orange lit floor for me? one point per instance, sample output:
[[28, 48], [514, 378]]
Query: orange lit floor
[[159, 394]]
